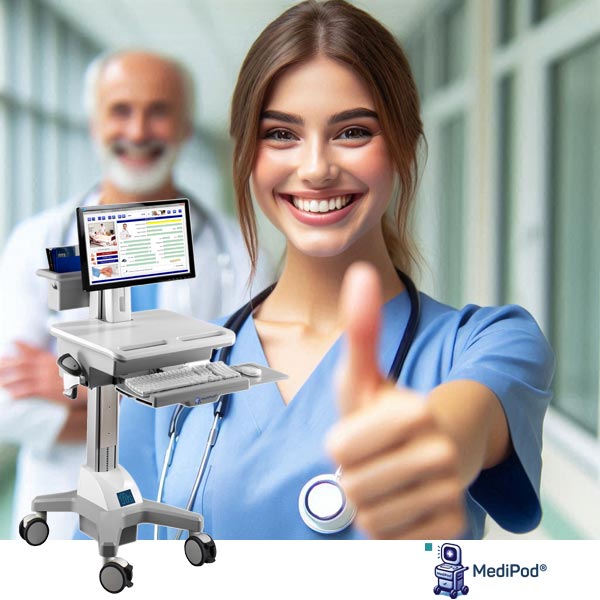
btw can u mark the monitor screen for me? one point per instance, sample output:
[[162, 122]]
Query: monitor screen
[[451, 554], [133, 244]]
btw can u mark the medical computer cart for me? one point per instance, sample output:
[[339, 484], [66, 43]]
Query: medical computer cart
[[102, 353], [451, 572]]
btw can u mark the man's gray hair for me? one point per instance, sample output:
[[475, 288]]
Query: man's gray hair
[[96, 68]]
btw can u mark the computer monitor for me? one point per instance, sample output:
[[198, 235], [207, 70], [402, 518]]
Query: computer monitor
[[451, 554], [132, 244]]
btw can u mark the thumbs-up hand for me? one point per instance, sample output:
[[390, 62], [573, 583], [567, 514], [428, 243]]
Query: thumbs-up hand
[[400, 469]]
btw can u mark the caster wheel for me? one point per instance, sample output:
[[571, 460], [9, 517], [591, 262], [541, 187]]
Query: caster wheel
[[200, 548], [115, 575], [465, 590], [34, 529], [437, 590], [453, 594]]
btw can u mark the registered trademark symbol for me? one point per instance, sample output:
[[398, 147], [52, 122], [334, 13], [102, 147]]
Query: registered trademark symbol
[[543, 567]]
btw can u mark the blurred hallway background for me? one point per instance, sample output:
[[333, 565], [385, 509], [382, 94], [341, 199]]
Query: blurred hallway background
[[509, 203]]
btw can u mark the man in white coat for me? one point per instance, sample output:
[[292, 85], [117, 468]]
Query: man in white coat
[[141, 107]]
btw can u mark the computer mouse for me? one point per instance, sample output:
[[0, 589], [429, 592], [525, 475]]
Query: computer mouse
[[249, 370]]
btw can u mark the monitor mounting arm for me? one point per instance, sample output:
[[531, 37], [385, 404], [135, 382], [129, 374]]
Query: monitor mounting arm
[[112, 306]]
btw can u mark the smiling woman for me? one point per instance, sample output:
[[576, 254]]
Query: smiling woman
[[433, 415], [321, 147], [392, 110]]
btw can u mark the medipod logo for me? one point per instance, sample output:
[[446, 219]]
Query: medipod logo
[[451, 572]]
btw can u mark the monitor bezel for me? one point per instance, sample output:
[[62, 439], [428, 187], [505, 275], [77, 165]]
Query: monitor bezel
[[110, 285], [454, 548]]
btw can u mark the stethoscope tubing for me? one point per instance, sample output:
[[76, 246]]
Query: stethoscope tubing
[[212, 438], [235, 323]]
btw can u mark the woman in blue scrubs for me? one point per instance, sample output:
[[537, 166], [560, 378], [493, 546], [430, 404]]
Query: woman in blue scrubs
[[325, 119]]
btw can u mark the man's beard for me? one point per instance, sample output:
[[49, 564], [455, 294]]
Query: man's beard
[[143, 180]]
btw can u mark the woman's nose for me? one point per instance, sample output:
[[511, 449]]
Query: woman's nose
[[317, 166]]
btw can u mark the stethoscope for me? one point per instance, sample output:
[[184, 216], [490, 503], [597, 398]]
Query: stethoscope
[[201, 217], [322, 502]]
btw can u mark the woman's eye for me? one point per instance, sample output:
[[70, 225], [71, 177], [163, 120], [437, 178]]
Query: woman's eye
[[355, 133], [280, 135]]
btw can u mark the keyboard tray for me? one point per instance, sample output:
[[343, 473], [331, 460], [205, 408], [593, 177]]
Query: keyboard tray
[[204, 393]]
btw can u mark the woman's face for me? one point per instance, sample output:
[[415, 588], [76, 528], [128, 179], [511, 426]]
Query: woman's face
[[323, 175]]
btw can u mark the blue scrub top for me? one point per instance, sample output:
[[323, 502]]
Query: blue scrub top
[[267, 451]]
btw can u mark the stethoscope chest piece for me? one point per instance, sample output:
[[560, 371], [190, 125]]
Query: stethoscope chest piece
[[323, 505]]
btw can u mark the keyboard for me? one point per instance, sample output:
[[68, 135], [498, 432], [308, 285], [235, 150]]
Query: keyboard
[[171, 379]]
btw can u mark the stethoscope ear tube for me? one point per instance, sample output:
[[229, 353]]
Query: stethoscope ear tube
[[411, 327]]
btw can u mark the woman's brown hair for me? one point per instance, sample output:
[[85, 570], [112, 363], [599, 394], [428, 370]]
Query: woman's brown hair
[[337, 30]]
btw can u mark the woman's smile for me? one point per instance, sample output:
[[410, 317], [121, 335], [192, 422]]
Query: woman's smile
[[323, 209]]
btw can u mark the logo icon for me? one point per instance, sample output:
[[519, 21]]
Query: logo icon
[[450, 573]]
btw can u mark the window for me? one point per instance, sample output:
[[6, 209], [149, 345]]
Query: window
[[506, 22], [576, 233], [505, 189], [44, 151], [509, 206], [452, 210], [451, 49], [437, 48], [544, 8], [415, 51], [48, 154]]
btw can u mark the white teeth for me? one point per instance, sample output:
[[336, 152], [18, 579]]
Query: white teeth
[[321, 206]]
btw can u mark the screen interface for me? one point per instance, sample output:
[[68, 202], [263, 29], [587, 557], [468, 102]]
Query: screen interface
[[131, 244], [450, 554]]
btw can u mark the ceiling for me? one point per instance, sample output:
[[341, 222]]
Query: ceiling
[[210, 36]]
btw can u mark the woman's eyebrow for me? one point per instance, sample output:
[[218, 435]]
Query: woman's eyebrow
[[345, 115], [281, 116], [353, 113]]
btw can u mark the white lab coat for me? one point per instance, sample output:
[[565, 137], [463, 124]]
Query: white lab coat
[[44, 465]]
